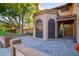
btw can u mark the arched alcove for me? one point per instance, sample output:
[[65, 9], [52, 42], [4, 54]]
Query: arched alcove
[[39, 28], [51, 28]]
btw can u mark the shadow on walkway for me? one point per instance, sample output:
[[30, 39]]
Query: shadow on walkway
[[1, 45]]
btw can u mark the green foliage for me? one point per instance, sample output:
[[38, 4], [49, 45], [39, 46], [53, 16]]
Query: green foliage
[[2, 32], [17, 14]]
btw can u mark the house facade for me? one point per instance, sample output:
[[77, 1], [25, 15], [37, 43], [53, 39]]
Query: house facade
[[58, 22]]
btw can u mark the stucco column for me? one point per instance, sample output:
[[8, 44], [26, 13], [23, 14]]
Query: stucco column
[[77, 31], [34, 29], [55, 29], [74, 29], [45, 30]]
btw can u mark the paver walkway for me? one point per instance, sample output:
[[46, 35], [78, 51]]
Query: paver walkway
[[59, 47], [4, 51]]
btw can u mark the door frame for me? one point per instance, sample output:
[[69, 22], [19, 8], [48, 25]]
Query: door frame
[[62, 22]]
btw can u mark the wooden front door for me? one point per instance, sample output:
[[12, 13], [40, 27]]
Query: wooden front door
[[68, 30]]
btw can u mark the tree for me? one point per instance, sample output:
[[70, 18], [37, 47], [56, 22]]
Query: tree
[[17, 14]]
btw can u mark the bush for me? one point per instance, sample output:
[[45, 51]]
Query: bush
[[2, 32]]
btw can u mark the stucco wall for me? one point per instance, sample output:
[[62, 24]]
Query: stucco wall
[[65, 12], [76, 11], [54, 17], [44, 18]]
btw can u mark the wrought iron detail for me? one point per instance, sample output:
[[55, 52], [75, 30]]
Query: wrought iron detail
[[51, 28], [39, 28]]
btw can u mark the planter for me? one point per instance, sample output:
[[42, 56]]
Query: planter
[[5, 41]]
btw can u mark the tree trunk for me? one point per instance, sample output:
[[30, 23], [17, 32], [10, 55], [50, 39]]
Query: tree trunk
[[22, 24]]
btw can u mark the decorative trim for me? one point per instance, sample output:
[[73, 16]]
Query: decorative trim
[[67, 17], [47, 11], [63, 6]]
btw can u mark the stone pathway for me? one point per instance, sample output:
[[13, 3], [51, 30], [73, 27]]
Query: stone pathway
[[59, 47], [4, 51]]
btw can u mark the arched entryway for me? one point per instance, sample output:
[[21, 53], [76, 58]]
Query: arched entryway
[[39, 28], [51, 28]]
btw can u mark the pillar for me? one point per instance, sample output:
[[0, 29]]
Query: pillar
[[34, 29], [55, 29], [77, 31], [74, 29], [45, 30]]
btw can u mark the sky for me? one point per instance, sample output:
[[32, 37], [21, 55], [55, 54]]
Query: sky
[[43, 6]]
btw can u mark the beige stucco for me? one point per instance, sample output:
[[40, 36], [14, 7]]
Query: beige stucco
[[76, 11], [64, 13], [45, 18], [73, 9], [53, 16]]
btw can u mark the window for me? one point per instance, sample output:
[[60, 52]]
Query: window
[[39, 28], [65, 9]]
